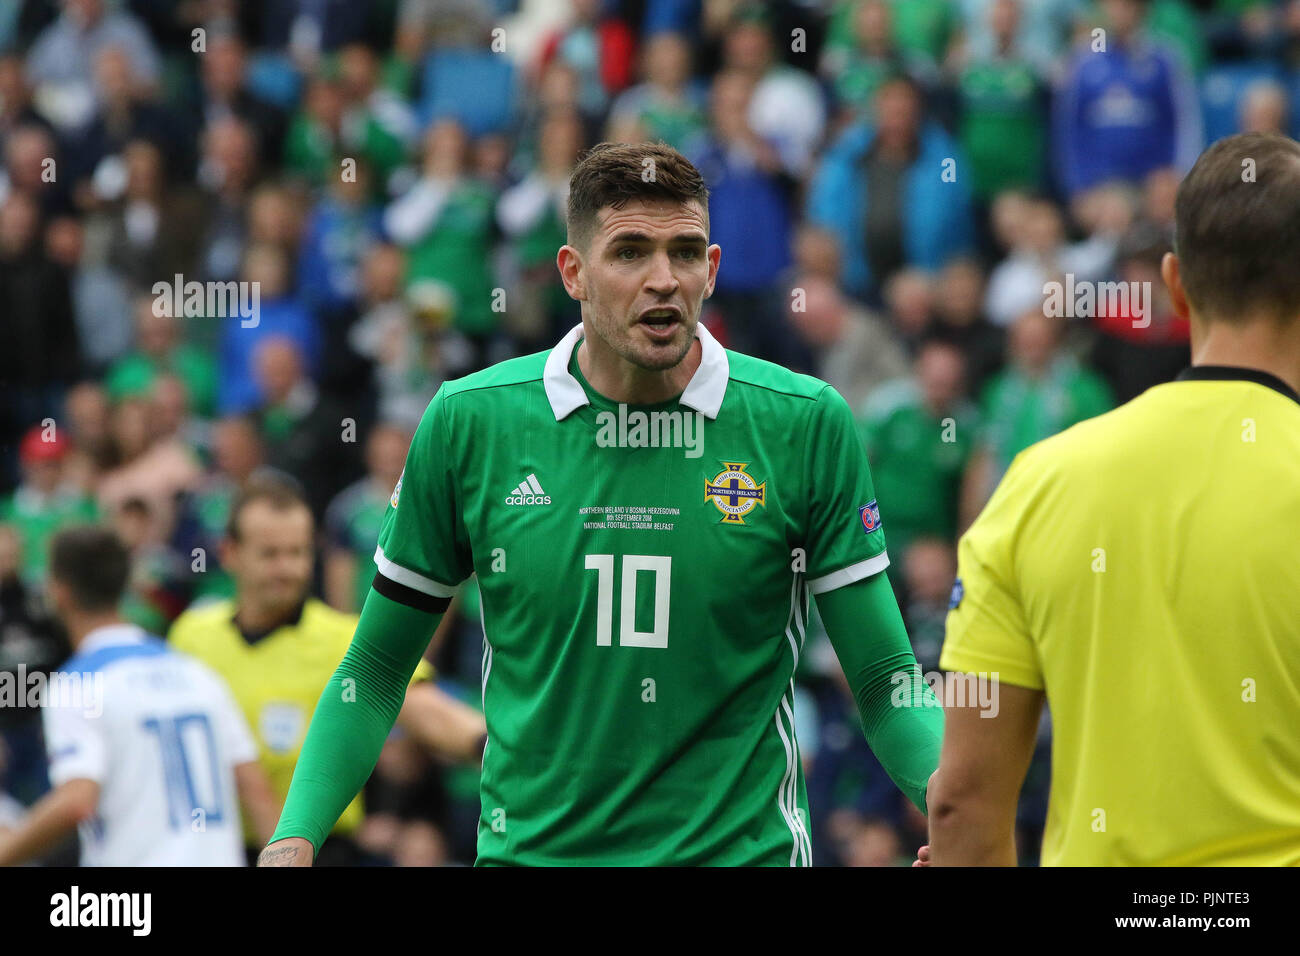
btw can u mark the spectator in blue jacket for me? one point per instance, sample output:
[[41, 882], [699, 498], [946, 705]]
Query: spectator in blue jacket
[[1124, 107], [749, 192], [278, 315], [339, 232], [895, 192], [751, 216]]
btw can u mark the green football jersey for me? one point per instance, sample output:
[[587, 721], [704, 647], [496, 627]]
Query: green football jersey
[[645, 575]]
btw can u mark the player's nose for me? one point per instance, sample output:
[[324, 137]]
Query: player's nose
[[661, 279]]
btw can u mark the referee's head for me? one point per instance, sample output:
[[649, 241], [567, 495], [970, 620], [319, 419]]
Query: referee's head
[[269, 547], [1236, 257]]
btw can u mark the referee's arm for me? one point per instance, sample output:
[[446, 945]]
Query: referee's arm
[[986, 753], [444, 725], [993, 695]]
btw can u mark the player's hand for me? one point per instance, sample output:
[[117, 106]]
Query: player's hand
[[7, 857], [291, 851], [923, 854]]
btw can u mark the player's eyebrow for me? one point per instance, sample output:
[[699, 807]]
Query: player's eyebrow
[[682, 238]]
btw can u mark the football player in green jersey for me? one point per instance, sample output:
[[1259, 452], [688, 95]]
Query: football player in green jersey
[[648, 516]]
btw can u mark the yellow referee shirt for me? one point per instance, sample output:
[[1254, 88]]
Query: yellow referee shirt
[[276, 678], [1143, 569]]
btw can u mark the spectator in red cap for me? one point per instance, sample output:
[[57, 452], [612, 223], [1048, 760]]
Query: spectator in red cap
[[45, 500]]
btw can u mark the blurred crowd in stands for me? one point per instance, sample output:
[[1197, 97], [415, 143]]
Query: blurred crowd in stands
[[894, 183]]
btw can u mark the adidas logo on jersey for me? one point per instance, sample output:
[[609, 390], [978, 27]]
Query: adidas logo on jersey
[[529, 492]]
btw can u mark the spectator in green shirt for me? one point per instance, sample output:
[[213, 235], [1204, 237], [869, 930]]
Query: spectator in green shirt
[[669, 106], [446, 223], [346, 111], [532, 216], [922, 29], [1177, 24], [315, 133], [158, 350], [377, 123], [1042, 391], [919, 433], [45, 501], [1001, 101], [868, 56]]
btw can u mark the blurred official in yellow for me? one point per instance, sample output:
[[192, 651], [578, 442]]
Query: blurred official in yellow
[[277, 646], [1141, 572]]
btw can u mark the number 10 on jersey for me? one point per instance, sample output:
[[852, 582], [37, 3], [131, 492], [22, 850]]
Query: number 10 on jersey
[[628, 635]]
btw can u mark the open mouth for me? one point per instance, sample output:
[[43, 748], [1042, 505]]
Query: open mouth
[[660, 321]]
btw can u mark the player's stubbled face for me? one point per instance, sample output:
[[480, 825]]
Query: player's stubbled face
[[273, 558], [649, 270]]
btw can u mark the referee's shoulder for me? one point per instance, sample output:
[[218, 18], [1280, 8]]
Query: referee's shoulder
[[197, 620], [1091, 441]]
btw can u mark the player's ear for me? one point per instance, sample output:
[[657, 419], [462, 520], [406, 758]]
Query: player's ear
[[1172, 276], [714, 254], [227, 551], [569, 261], [57, 592]]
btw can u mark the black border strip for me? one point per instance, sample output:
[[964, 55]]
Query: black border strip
[[409, 596], [1227, 373]]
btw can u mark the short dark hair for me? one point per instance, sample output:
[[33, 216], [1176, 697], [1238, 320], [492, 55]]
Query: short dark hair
[[612, 174], [1144, 243], [135, 505], [1238, 238], [278, 489], [903, 79], [92, 563], [941, 338]]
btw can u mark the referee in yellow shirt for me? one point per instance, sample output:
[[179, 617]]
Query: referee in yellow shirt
[[1141, 573], [277, 647]]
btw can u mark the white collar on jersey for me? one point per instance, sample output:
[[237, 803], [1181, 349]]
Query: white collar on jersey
[[703, 393], [109, 635]]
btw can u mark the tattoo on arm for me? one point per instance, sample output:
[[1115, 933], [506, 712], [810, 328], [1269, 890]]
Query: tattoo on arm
[[278, 856]]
